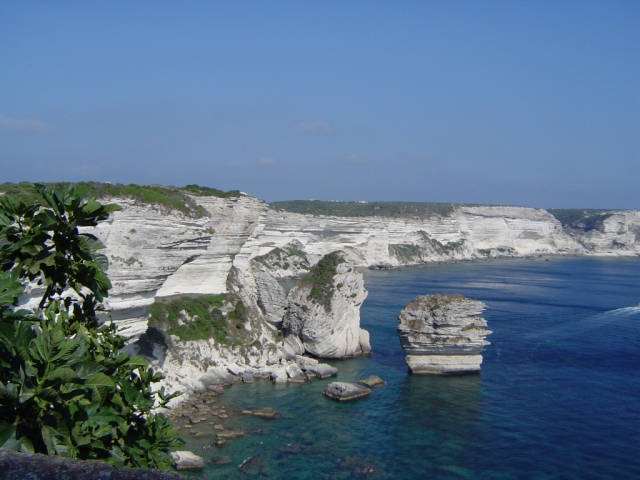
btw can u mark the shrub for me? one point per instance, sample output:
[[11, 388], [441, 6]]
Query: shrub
[[198, 317], [65, 387]]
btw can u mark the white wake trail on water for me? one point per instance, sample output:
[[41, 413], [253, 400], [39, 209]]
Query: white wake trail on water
[[611, 318]]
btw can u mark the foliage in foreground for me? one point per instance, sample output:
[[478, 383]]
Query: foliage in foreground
[[64, 387], [173, 198]]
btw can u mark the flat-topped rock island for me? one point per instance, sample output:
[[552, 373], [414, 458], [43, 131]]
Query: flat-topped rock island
[[443, 334]]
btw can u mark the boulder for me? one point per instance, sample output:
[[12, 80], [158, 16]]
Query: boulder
[[345, 391], [295, 374], [279, 375], [306, 362], [372, 381], [443, 334], [323, 370], [234, 369], [186, 460], [293, 346]]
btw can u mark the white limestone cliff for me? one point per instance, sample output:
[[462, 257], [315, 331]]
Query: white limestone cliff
[[159, 253], [323, 316]]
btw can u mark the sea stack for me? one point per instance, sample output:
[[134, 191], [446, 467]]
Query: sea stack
[[443, 334], [323, 314]]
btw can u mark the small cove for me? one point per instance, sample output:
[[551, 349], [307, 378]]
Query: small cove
[[557, 397]]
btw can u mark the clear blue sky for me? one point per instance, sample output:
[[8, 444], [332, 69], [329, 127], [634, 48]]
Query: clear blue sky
[[505, 102]]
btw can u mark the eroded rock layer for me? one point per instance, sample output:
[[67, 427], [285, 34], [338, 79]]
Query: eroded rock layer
[[443, 334]]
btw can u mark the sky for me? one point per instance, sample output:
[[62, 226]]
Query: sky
[[531, 103]]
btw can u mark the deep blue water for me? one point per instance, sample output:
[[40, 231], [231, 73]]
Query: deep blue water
[[557, 398]]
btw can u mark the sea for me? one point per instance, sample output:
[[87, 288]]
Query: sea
[[558, 396]]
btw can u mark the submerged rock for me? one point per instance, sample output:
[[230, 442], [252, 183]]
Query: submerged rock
[[372, 381], [220, 460], [186, 460], [345, 391], [254, 465], [323, 315], [443, 334], [266, 412]]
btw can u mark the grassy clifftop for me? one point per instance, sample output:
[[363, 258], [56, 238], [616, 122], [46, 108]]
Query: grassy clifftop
[[174, 198], [581, 219], [365, 209]]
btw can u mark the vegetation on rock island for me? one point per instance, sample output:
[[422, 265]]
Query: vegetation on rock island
[[172, 198], [65, 388], [321, 278]]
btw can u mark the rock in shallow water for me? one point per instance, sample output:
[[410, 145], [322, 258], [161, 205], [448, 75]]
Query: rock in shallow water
[[266, 412], [372, 381], [443, 334], [345, 391], [322, 370], [186, 460]]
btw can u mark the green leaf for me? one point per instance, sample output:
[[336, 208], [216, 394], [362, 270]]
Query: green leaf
[[101, 385], [48, 437], [8, 439], [86, 369], [65, 374]]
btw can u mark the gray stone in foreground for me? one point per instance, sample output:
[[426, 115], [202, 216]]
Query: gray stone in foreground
[[14, 465], [372, 381], [322, 370], [345, 391], [186, 460]]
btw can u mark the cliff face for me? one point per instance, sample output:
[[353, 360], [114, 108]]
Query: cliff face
[[323, 317], [443, 334], [155, 252], [242, 246]]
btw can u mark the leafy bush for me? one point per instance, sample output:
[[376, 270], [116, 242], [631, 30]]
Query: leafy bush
[[285, 257], [169, 197], [209, 192], [198, 317], [64, 387]]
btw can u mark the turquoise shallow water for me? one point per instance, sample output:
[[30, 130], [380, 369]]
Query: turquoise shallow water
[[557, 398]]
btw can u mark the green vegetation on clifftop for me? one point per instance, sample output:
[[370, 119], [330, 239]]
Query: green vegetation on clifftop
[[173, 198], [365, 209], [582, 219], [200, 317]]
